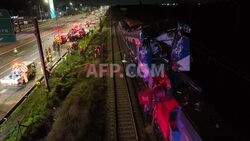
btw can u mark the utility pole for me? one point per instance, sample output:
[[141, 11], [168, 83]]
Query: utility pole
[[18, 25], [40, 49], [40, 11]]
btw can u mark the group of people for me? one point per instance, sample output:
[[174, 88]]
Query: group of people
[[97, 51], [48, 55]]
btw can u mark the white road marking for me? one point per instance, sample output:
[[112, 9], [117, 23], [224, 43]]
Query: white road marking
[[36, 58], [5, 71], [28, 42], [20, 52], [33, 54], [3, 91], [8, 63]]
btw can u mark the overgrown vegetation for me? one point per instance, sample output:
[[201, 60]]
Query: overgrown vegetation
[[73, 110], [79, 112]]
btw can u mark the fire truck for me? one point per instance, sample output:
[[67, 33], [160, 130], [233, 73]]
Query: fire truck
[[21, 74], [76, 32]]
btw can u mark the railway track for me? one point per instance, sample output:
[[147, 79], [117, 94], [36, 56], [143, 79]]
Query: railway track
[[124, 127]]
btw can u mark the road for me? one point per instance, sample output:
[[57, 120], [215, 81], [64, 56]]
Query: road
[[43, 27], [27, 51]]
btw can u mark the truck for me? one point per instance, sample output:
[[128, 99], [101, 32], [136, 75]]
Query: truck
[[21, 74], [76, 32]]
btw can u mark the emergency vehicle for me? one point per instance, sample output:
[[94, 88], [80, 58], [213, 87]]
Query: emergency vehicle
[[76, 32], [21, 74]]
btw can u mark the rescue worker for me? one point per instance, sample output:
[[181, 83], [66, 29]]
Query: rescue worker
[[38, 82], [49, 50], [74, 45], [47, 55], [68, 50], [97, 51], [42, 70], [54, 46], [81, 51], [25, 77], [48, 71], [50, 58], [50, 55]]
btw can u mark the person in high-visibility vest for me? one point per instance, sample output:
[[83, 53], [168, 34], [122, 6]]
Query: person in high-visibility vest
[[50, 58], [47, 55], [25, 77], [42, 70], [38, 82]]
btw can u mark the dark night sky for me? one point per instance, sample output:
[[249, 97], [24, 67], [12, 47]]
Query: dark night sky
[[12, 4], [24, 7], [22, 4]]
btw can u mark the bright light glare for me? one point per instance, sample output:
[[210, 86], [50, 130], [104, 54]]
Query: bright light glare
[[46, 1]]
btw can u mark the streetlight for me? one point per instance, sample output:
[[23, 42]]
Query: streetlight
[[52, 11], [70, 3], [39, 7], [81, 6]]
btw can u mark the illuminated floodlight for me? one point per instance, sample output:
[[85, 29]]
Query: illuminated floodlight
[[46, 1], [70, 3], [52, 9]]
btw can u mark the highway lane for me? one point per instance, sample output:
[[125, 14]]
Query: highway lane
[[54, 22], [25, 52], [8, 58], [42, 27], [9, 96]]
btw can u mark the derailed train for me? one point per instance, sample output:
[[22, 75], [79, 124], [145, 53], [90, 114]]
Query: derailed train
[[151, 46]]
